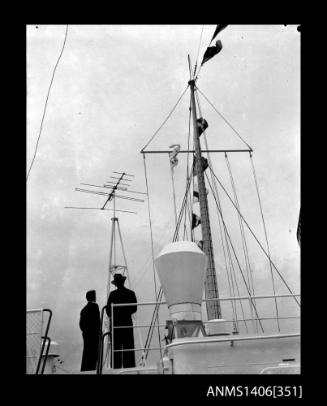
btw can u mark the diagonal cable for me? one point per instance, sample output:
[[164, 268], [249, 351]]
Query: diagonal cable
[[46, 103], [226, 121], [166, 119]]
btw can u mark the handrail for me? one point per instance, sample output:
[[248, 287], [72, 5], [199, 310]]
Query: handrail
[[44, 340], [219, 298], [100, 345], [103, 335], [233, 338], [100, 357], [46, 353]]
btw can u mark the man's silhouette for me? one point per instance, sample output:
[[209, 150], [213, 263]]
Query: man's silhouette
[[90, 326], [122, 338]]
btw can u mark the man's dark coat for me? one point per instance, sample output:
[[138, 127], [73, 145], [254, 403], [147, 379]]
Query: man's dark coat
[[90, 326], [122, 338]]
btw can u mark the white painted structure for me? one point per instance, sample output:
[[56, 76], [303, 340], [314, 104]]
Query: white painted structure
[[181, 267]]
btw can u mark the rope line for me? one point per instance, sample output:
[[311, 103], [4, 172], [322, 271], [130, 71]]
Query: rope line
[[183, 203], [166, 119], [46, 104], [202, 65], [190, 203], [266, 237], [264, 251], [197, 56], [239, 265], [187, 169], [160, 294], [174, 193], [244, 244], [215, 191], [152, 250], [226, 121]]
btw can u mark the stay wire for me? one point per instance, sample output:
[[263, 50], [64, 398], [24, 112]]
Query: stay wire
[[152, 249], [160, 294], [197, 56], [240, 268], [226, 121], [166, 119], [245, 248], [266, 237], [215, 191], [201, 64], [183, 203], [244, 244], [219, 205], [46, 103], [234, 281], [187, 168], [264, 251]]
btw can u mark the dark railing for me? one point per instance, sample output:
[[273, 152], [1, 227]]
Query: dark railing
[[45, 357], [170, 330], [45, 337], [100, 355], [100, 346]]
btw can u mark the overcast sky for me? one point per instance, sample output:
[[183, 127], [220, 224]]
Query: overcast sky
[[114, 86]]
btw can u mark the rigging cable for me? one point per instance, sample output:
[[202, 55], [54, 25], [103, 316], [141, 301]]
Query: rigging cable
[[184, 202], [201, 64], [173, 187], [233, 274], [187, 174], [244, 244], [266, 237], [166, 119], [240, 268], [46, 103], [231, 287], [264, 251], [152, 251], [197, 56], [160, 294], [226, 121], [187, 207]]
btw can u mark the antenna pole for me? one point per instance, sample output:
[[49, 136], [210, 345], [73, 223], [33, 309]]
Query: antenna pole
[[210, 285], [189, 66]]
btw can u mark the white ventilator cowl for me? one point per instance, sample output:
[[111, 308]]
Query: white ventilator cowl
[[181, 268]]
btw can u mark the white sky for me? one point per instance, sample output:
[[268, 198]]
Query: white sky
[[113, 88]]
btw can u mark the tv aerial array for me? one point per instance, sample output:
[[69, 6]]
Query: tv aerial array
[[121, 183]]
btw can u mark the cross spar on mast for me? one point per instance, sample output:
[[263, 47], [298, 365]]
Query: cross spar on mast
[[211, 284]]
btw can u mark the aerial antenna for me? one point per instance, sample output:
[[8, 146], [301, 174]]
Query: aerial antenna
[[119, 183]]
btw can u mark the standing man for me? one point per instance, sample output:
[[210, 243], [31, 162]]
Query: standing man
[[90, 326], [122, 338]]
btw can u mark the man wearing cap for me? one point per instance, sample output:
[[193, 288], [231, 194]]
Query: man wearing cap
[[90, 326], [122, 338]]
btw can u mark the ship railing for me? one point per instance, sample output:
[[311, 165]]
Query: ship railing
[[36, 340], [160, 348], [255, 316], [103, 335]]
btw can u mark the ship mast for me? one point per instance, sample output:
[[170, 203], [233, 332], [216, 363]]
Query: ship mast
[[210, 285]]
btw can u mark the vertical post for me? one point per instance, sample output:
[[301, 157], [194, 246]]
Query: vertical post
[[112, 336], [211, 285], [113, 221], [123, 251]]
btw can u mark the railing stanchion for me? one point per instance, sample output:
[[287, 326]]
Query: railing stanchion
[[44, 340], [112, 336]]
